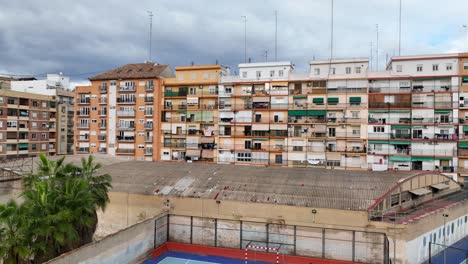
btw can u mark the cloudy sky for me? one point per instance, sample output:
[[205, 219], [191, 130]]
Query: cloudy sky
[[85, 37]]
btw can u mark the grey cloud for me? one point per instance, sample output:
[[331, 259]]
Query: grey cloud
[[91, 36]]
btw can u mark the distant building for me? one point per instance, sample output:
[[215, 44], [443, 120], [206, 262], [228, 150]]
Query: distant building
[[58, 87], [27, 124]]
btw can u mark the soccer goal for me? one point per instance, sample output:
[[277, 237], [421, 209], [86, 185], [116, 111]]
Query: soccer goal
[[251, 253]]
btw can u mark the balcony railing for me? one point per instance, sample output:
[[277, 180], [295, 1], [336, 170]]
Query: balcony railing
[[389, 105], [126, 101], [148, 139], [102, 89], [125, 151], [122, 127], [127, 89], [174, 145], [102, 138], [125, 113], [125, 139]]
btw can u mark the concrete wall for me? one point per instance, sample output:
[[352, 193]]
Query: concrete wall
[[123, 247]]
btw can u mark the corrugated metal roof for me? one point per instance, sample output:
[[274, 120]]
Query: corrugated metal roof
[[321, 188]]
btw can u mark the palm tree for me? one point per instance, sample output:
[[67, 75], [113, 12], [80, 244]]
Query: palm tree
[[15, 243], [99, 184]]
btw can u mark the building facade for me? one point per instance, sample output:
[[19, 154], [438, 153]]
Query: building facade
[[58, 87], [189, 114], [118, 113], [27, 124]]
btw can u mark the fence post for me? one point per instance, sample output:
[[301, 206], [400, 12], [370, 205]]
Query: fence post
[[267, 237], [167, 227], [191, 229], [354, 245], [323, 242], [240, 233], [155, 230], [216, 233], [430, 255], [295, 239]]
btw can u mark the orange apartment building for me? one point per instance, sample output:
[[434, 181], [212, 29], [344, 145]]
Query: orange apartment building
[[117, 114]]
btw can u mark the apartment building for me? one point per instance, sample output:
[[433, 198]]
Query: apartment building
[[463, 115], [327, 115], [27, 124], [57, 86], [414, 115], [189, 114], [253, 115], [117, 114]]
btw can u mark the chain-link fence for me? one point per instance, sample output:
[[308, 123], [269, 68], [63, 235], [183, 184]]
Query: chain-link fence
[[336, 244], [441, 254]]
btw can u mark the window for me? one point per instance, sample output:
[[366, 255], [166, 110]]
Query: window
[[258, 74], [44, 125], [379, 129], [192, 90], [435, 67], [149, 111], [113, 83], [228, 89], [245, 157], [317, 71], [43, 136], [205, 76], [212, 76], [348, 70], [1, 100], [44, 115], [11, 123], [399, 68], [44, 104], [93, 121], [103, 123], [449, 66], [419, 68], [33, 136], [389, 99], [244, 74], [193, 76], [94, 108], [34, 114], [272, 73], [43, 146], [333, 71], [141, 121], [378, 147], [280, 73], [355, 114], [33, 125], [465, 66], [358, 69]]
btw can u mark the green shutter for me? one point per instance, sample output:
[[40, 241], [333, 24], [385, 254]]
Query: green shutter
[[355, 99], [399, 142], [463, 145], [23, 145], [260, 139], [378, 142], [442, 111], [333, 100], [299, 96], [401, 127], [307, 112], [181, 111], [387, 111], [422, 158], [52, 104], [465, 128], [297, 112], [444, 158], [465, 78], [317, 100], [400, 158]]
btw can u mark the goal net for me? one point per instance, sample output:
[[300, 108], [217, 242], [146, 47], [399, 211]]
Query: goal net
[[251, 253]]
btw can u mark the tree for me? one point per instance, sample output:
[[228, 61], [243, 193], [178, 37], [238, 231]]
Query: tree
[[15, 244]]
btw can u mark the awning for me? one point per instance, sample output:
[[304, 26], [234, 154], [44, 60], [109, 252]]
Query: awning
[[206, 140], [333, 100], [401, 127], [438, 111], [463, 145], [440, 186], [317, 100], [421, 191], [443, 158], [399, 142], [192, 153], [261, 99], [181, 111], [192, 100], [279, 83], [389, 111], [260, 127], [23, 145], [207, 154], [300, 97], [259, 139], [355, 99], [400, 158], [378, 142], [422, 158], [307, 112], [279, 127]]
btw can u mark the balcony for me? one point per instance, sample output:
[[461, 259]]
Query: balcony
[[103, 101], [125, 151], [126, 101], [174, 145], [83, 137], [127, 88], [148, 152], [82, 126], [124, 127], [149, 88], [82, 113], [148, 139], [81, 150], [102, 150], [148, 126], [102, 137], [102, 89], [389, 105], [125, 113], [125, 139], [149, 100], [87, 101], [102, 113]]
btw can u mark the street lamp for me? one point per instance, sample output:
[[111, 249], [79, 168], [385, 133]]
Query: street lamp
[[445, 231]]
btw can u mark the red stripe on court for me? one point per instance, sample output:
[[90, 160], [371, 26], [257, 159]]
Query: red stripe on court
[[239, 254]]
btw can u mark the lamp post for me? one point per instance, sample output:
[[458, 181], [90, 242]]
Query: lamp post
[[445, 231]]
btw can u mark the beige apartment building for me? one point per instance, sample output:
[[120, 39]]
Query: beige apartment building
[[27, 124], [118, 113], [189, 114]]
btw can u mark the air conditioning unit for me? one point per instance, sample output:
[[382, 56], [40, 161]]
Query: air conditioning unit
[[462, 105], [309, 84], [343, 126]]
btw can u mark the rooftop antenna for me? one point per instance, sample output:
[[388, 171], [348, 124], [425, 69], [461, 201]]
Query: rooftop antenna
[[371, 54], [466, 38], [399, 32], [377, 47], [331, 33], [150, 14], [276, 35], [245, 37]]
